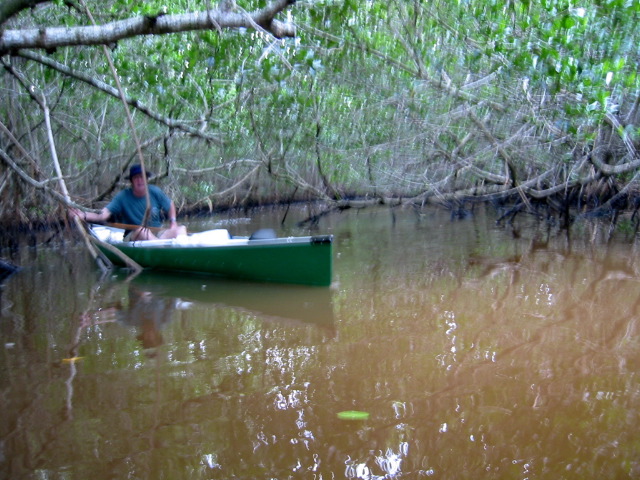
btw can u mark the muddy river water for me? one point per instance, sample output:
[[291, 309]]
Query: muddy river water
[[444, 349]]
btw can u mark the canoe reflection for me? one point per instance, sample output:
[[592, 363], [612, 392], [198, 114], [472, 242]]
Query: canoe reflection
[[296, 303]]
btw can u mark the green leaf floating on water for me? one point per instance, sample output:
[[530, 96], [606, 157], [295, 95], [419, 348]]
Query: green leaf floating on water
[[353, 415]]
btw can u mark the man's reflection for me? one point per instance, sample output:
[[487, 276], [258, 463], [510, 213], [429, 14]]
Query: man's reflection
[[148, 313]]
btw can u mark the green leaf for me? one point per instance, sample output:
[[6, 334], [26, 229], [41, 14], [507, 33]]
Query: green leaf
[[568, 21], [353, 415]]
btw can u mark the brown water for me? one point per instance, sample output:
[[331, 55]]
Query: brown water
[[477, 352]]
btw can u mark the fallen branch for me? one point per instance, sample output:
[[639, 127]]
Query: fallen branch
[[102, 261]]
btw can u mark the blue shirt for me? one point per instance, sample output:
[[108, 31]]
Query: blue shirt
[[127, 208]]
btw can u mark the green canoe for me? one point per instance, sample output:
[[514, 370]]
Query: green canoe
[[297, 260]]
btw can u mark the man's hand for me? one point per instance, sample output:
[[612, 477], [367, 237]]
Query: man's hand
[[74, 212]]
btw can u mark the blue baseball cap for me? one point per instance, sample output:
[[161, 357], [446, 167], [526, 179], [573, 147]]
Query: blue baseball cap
[[137, 170]]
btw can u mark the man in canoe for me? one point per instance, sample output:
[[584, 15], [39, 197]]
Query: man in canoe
[[129, 207]]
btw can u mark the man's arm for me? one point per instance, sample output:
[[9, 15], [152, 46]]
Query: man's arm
[[101, 217], [172, 215]]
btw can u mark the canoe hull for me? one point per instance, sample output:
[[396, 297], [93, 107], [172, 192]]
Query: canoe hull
[[297, 260]]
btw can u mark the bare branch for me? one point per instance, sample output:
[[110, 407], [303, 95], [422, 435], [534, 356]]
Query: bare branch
[[54, 37], [599, 155], [108, 89], [222, 193]]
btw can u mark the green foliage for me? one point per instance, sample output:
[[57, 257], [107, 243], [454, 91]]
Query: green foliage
[[370, 95]]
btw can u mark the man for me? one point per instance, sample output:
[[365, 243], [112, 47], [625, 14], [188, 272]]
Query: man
[[129, 207]]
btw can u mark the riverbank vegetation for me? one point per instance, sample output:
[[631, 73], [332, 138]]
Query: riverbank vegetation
[[529, 105]]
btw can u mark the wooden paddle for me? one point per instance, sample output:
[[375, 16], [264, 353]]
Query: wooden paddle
[[126, 226]]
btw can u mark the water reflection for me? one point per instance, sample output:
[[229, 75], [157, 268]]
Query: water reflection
[[149, 301], [148, 313], [297, 303]]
